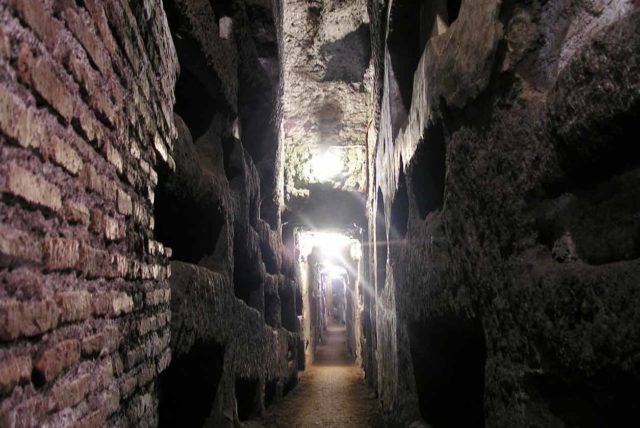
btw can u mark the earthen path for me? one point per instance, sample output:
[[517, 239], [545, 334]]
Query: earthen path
[[331, 393]]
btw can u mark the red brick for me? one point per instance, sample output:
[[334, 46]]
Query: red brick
[[147, 325], [32, 188], [108, 339], [156, 297], [83, 30], [27, 318], [74, 305], [140, 407], [110, 401], [57, 359], [91, 179], [17, 247], [109, 189], [97, 263], [93, 344], [18, 121], [94, 419], [122, 303], [101, 303], [60, 253], [28, 413], [24, 283], [106, 226], [112, 303], [94, 85], [54, 90], [146, 374], [164, 360], [127, 385], [76, 212], [25, 59], [113, 156], [88, 123], [14, 370], [4, 44], [69, 393], [95, 8], [44, 25], [125, 205], [62, 154]]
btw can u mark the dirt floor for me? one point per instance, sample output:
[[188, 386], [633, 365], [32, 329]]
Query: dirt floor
[[331, 393]]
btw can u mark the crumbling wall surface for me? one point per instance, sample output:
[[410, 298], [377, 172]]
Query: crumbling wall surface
[[232, 333], [509, 193], [86, 95]]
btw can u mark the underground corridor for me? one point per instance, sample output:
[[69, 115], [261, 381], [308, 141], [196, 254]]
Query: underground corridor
[[319, 213]]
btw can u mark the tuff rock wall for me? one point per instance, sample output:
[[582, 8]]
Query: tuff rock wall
[[234, 325], [504, 213]]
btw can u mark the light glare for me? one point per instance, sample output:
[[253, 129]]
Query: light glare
[[326, 164], [329, 243]]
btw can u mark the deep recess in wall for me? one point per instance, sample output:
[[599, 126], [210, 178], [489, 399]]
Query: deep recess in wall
[[453, 10], [188, 387], [245, 287], [272, 309], [291, 383], [288, 308], [570, 403], [449, 355], [270, 391], [400, 207], [247, 398], [381, 244], [185, 220], [427, 171], [612, 149], [404, 47], [193, 103]]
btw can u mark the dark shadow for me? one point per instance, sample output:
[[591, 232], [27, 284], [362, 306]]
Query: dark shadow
[[453, 10], [187, 214], [427, 171], [270, 392], [288, 307], [404, 46], [187, 388], [247, 398], [400, 208], [348, 57], [272, 309], [449, 355]]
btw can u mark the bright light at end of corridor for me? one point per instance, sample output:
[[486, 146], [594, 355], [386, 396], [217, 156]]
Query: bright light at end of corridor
[[330, 244], [334, 271], [326, 164]]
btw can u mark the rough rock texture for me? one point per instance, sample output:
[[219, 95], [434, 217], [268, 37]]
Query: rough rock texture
[[326, 94], [505, 237], [86, 94], [234, 343]]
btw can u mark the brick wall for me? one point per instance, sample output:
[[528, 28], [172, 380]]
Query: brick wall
[[86, 96]]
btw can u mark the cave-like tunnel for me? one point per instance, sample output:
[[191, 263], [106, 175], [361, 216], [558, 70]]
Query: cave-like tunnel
[[319, 213]]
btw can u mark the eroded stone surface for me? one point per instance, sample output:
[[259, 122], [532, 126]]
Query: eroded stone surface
[[533, 235]]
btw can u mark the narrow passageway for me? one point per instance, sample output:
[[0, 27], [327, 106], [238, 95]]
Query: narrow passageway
[[319, 213], [330, 393]]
